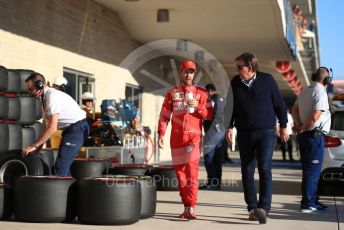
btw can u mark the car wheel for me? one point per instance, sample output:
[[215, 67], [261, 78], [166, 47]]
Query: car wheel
[[331, 182]]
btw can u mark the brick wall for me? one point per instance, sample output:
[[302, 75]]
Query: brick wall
[[48, 35]]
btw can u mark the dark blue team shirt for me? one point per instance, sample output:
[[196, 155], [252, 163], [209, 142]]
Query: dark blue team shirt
[[257, 106]]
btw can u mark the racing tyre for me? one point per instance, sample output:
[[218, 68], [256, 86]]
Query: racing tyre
[[4, 105], [6, 202], [13, 166], [47, 159], [82, 168], [13, 85], [27, 110], [4, 138], [28, 136], [45, 199], [15, 137], [38, 128], [3, 78], [129, 169], [165, 178], [148, 196], [109, 201], [38, 109], [148, 193], [23, 74], [13, 108]]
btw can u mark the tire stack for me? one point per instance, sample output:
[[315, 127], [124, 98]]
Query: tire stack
[[19, 128]]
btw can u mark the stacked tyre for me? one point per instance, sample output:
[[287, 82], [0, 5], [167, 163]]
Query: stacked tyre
[[19, 111], [19, 128]]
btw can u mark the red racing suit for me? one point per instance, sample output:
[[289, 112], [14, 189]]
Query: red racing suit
[[186, 136]]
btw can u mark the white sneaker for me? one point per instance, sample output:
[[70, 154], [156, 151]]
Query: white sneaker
[[309, 209]]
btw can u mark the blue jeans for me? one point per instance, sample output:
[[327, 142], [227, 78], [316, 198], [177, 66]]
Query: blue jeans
[[257, 144], [73, 138], [213, 152], [312, 153]]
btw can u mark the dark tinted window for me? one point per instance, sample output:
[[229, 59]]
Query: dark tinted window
[[338, 121]]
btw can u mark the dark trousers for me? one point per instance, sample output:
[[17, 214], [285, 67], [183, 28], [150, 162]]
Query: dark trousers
[[286, 146], [257, 144], [311, 153], [73, 138], [213, 160]]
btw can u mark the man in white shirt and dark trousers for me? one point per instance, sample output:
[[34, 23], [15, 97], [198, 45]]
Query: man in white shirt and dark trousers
[[60, 111], [286, 146], [312, 120]]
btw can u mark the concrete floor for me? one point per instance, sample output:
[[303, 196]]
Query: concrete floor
[[226, 209]]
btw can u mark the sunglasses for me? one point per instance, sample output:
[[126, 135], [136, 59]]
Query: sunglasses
[[240, 67]]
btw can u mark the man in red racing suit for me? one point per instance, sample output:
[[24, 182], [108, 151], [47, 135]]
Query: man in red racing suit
[[188, 113]]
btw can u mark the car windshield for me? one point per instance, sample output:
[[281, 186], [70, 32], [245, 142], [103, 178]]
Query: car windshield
[[338, 121]]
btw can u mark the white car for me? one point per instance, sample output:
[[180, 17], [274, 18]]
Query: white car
[[332, 175], [334, 141]]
